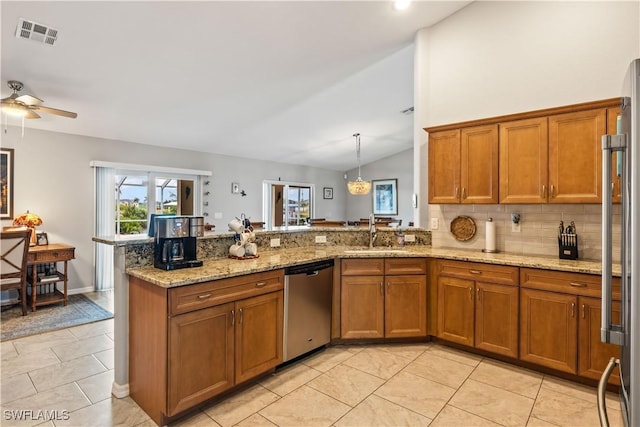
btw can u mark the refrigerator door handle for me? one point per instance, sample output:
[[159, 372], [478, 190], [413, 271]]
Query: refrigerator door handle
[[602, 388], [609, 333]]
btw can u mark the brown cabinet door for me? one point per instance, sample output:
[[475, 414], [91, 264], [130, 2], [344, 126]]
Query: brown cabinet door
[[259, 323], [497, 318], [405, 306], [479, 164], [362, 308], [548, 329], [575, 156], [524, 161], [594, 354], [612, 129], [444, 167], [455, 310], [200, 356]]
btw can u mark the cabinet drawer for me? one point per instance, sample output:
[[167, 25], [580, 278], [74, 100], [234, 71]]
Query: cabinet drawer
[[362, 267], [53, 255], [491, 273], [568, 283], [194, 297], [400, 266]]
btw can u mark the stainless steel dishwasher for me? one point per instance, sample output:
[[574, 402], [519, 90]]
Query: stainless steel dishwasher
[[308, 292]]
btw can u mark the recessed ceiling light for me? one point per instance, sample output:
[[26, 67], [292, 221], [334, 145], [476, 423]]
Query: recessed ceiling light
[[401, 4]]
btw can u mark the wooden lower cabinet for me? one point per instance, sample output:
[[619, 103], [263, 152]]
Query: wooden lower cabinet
[[594, 355], [201, 353], [191, 343], [548, 329], [258, 331], [362, 313], [476, 312], [379, 305]]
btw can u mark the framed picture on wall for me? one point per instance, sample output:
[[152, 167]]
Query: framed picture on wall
[[6, 183], [327, 193], [385, 197]]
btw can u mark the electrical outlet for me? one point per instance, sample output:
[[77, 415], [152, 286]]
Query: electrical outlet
[[409, 238], [275, 243], [515, 228], [321, 239], [435, 223]]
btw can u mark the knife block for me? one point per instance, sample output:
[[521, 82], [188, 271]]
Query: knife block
[[568, 246]]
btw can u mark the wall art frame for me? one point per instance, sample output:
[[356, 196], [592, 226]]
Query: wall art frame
[[385, 197], [6, 183]]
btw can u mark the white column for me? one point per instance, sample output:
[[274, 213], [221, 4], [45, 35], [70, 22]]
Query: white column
[[120, 386]]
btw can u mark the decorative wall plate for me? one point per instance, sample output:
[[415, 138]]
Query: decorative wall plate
[[463, 228]]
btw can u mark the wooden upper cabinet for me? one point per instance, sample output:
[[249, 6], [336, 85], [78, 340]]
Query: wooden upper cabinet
[[479, 164], [523, 161], [575, 156], [612, 129], [444, 167], [463, 165]]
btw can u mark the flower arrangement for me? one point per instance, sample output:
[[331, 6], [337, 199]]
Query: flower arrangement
[[28, 219]]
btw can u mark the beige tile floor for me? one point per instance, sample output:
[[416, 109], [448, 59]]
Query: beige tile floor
[[69, 374]]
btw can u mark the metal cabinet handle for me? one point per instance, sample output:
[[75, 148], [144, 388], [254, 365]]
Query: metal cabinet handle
[[544, 191], [578, 285], [233, 317], [552, 191], [475, 271], [457, 192], [478, 293], [381, 288], [602, 388], [388, 287], [573, 309], [584, 311], [464, 193], [204, 296], [471, 293], [260, 284], [241, 317]]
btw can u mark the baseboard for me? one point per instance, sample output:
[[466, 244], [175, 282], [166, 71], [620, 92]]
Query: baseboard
[[119, 390], [80, 290]]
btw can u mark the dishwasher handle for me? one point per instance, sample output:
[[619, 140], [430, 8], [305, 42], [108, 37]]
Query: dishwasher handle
[[310, 269]]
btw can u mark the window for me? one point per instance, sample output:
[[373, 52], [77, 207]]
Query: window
[[287, 203]]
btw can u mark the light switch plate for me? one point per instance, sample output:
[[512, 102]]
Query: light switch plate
[[321, 239], [435, 223], [275, 243]]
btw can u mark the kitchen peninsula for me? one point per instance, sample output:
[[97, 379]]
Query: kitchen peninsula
[[133, 257]]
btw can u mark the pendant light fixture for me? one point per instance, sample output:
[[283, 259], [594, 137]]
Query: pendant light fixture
[[358, 187]]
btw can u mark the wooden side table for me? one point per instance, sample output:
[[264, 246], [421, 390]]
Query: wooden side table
[[45, 254]]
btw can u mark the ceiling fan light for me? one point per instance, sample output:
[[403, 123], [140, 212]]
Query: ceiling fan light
[[14, 110], [359, 187]]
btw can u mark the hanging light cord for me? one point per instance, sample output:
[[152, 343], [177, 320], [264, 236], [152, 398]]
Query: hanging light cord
[[357, 135]]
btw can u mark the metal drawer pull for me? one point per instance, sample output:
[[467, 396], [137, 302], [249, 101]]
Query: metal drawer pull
[[204, 296], [475, 271], [233, 317], [240, 323], [584, 311], [578, 285], [573, 309], [260, 284]]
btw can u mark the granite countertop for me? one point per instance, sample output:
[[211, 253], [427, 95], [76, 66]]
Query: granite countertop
[[220, 268]]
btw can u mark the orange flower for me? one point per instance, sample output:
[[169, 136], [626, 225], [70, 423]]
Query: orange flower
[[31, 220]]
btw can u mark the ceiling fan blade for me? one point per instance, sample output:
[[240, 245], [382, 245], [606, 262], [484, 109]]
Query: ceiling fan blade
[[29, 100], [55, 111], [31, 115]]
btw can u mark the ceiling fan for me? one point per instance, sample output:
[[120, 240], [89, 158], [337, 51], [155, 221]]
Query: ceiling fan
[[27, 105]]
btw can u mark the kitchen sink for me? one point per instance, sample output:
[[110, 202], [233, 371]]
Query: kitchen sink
[[375, 251]]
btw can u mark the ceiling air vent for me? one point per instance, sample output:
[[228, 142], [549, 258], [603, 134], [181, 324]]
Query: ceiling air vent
[[34, 31]]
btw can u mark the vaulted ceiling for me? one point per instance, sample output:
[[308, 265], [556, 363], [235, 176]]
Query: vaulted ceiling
[[281, 81]]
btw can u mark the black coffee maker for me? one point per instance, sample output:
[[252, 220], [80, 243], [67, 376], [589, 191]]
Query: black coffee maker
[[175, 243]]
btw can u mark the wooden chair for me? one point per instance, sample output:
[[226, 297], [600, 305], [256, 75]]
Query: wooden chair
[[14, 249]]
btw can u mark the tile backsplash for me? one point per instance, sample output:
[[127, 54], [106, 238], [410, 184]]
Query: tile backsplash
[[538, 228]]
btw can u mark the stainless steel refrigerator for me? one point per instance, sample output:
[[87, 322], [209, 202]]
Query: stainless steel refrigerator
[[626, 146]]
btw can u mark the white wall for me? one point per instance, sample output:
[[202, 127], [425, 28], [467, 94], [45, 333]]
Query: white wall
[[399, 166], [494, 58], [53, 178]]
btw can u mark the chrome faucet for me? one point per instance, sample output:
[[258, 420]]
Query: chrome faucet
[[372, 230]]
